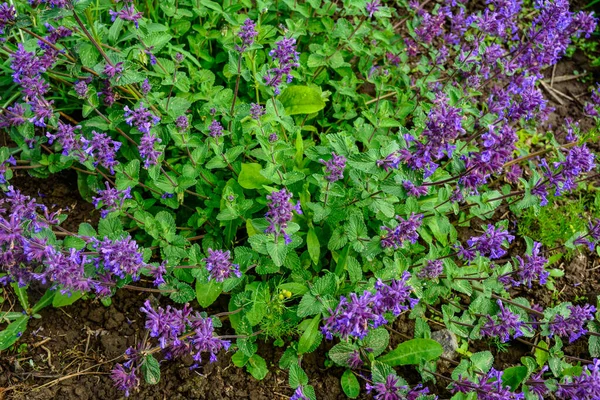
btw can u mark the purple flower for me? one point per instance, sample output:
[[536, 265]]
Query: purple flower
[[166, 324], [395, 296], [219, 266], [148, 152], [488, 387], [354, 360], [582, 387], [532, 268], [372, 7], [414, 190], [431, 270], [141, 118], [490, 243], [247, 33], [392, 390], [216, 129], [121, 257], [179, 57], [8, 15], [405, 230], [109, 95], [503, 325], [113, 70], [127, 13], [299, 394], [103, 149], [182, 123], [273, 138], [593, 232], [286, 57], [66, 137], [573, 325], [66, 271], [81, 89], [334, 168], [12, 116], [354, 316], [280, 213], [257, 111], [42, 111], [158, 273], [111, 199], [150, 54], [125, 380], [146, 87]]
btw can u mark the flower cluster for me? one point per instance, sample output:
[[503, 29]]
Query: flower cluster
[[102, 149], [505, 324], [357, 315], [141, 118], [247, 34], [169, 326], [391, 389], [405, 230], [573, 325], [120, 257], [219, 266], [334, 168], [488, 245], [286, 56], [110, 199], [280, 213]]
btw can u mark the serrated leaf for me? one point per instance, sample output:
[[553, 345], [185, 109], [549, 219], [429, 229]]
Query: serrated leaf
[[309, 305], [350, 384], [184, 293], [297, 376], [482, 361], [151, 370], [413, 352], [257, 366], [377, 340]]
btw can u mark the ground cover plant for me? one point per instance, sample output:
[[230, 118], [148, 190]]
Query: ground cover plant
[[322, 168]]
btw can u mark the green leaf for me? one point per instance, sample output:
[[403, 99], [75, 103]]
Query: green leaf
[[21, 293], [350, 384], [251, 178], [45, 301], [151, 370], [239, 359], [297, 376], [314, 248], [207, 293], [257, 366], [413, 352], [341, 352], [483, 361], [309, 305], [541, 353], [513, 377], [301, 100], [13, 332], [324, 285], [377, 340], [184, 293], [62, 300], [277, 251], [310, 335]]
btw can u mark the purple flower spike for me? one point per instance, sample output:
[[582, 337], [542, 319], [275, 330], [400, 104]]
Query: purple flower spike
[[219, 266], [287, 57], [103, 149], [573, 325], [405, 230], [141, 118], [431, 270], [372, 7], [66, 137], [257, 111], [532, 268], [111, 199], [125, 380], [247, 34], [127, 13], [280, 213], [490, 244], [148, 152], [113, 70], [334, 168], [216, 129], [504, 324]]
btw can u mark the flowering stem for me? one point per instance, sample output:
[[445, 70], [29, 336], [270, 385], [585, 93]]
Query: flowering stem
[[326, 194]]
